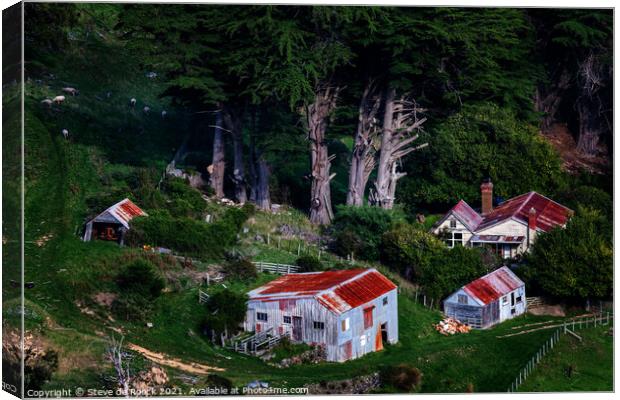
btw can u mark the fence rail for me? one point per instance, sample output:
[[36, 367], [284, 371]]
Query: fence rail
[[281, 269], [533, 302], [567, 328], [203, 296]]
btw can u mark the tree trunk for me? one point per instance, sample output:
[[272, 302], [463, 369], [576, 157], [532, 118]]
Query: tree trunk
[[363, 153], [400, 120], [547, 100], [589, 106], [216, 169], [316, 118], [234, 123], [259, 177]]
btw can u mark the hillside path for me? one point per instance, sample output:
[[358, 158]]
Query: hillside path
[[163, 359]]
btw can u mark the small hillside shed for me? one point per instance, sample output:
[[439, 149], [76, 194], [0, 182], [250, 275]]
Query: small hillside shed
[[351, 312], [113, 223], [488, 300]]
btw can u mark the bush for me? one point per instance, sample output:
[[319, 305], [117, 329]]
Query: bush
[[449, 269], [358, 230], [408, 250], [575, 263], [219, 382], [140, 277], [403, 377], [241, 269], [179, 189], [587, 196], [225, 311], [188, 235], [309, 264]]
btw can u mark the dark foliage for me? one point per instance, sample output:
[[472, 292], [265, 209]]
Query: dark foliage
[[141, 278], [309, 264], [185, 200], [358, 230], [241, 269], [403, 377], [225, 311], [575, 263]]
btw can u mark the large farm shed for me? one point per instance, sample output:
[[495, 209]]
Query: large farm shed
[[351, 312], [488, 300], [113, 223]]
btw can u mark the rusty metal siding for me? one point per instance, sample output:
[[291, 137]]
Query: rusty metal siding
[[332, 336]]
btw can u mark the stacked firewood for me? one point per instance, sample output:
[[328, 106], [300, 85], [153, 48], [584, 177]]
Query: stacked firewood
[[450, 326]]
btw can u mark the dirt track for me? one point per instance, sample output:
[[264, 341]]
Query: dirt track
[[163, 359]]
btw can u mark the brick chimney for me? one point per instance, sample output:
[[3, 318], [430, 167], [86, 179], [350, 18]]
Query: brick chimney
[[486, 193]]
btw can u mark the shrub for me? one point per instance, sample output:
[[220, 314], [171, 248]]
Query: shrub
[[179, 189], [403, 377], [241, 268], [576, 262], [308, 264], [140, 278], [225, 311], [407, 250], [587, 196], [218, 381], [188, 235], [358, 230]]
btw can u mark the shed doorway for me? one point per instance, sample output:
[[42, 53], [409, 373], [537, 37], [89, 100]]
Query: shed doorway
[[297, 329], [384, 332]]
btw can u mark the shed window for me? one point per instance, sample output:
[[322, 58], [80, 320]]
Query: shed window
[[261, 316], [452, 223], [368, 317], [287, 319], [462, 299], [385, 301], [345, 324], [319, 325], [519, 299], [505, 300]]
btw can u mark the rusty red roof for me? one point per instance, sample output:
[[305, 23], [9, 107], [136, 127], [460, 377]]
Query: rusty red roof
[[494, 285], [123, 212], [470, 218], [339, 291], [549, 214]]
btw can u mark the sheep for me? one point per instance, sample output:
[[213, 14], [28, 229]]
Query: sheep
[[47, 102], [65, 133], [70, 90], [59, 99], [132, 102], [163, 114], [146, 109]]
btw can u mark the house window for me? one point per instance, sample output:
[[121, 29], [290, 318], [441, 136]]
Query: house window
[[319, 325], [368, 317], [462, 299], [261, 316], [385, 301], [345, 324], [454, 239], [452, 223], [287, 319]]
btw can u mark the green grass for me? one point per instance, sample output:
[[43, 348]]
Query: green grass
[[591, 361]]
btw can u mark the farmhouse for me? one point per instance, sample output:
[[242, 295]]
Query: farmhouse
[[508, 229], [113, 223], [488, 300], [351, 312]]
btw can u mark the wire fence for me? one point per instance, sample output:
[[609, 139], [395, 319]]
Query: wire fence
[[566, 328]]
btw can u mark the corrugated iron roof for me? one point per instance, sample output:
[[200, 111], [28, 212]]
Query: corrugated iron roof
[[494, 285], [470, 218], [123, 212], [339, 291], [549, 214]]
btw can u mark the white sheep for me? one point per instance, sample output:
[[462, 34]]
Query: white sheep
[[47, 102], [59, 99], [163, 114], [70, 90], [65, 133], [132, 102], [146, 109]]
